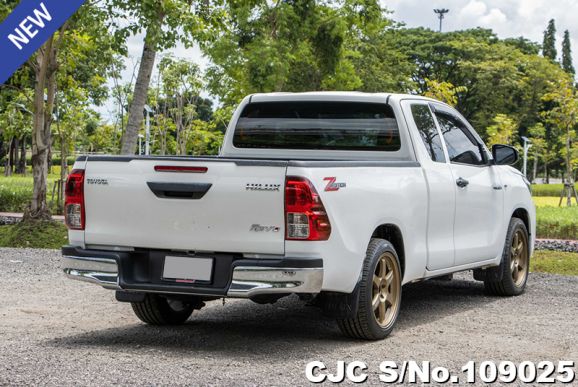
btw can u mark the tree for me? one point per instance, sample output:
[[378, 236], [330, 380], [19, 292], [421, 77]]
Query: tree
[[181, 85], [296, 46], [443, 91], [78, 38], [564, 116], [549, 45], [164, 23], [567, 54], [502, 131]]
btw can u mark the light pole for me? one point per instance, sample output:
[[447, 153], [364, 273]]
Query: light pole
[[441, 12], [140, 137], [527, 146], [148, 111]]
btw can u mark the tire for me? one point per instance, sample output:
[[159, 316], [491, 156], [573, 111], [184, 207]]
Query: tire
[[515, 265], [159, 310], [371, 322]]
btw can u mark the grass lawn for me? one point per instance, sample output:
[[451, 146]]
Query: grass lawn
[[554, 262], [16, 192], [548, 189], [41, 235], [555, 222]]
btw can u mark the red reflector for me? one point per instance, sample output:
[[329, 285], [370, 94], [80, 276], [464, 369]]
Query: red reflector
[[74, 200], [305, 215], [180, 169]]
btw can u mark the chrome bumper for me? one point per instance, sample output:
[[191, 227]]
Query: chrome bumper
[[100, 271], [247, 281]]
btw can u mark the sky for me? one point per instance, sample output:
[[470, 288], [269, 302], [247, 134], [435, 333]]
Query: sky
[[507, 18]]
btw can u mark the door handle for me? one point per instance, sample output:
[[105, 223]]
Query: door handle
[[462, 183]]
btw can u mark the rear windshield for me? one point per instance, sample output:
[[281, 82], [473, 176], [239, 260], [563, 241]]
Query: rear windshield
[[318, 125]]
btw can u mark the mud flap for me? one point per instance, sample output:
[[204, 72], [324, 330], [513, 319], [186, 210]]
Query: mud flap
[[493, 274], [340, 305]]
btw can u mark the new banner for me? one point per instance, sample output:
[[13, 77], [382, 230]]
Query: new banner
[[28, 27]]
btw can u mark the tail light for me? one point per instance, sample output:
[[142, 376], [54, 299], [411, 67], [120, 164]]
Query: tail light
[[305, 215], [74, 200]]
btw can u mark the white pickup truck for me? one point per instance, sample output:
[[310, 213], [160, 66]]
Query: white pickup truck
[[340, 198]]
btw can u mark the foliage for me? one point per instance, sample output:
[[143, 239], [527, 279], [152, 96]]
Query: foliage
[[34, 234], [567, 54], [563, 116], [297, 46], [554, 262], [443, 91], [502, 131], [549, 45]]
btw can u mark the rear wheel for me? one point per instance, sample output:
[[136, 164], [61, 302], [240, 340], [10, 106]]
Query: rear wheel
[[379, 294], [515, 264], [159, 310]]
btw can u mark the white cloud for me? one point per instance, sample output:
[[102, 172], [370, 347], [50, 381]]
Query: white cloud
[[493, 19], [474, 9]]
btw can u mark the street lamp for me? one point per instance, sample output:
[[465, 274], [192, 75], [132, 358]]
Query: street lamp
[[441, 12], [148, 112], [527, 146], [140, 137]]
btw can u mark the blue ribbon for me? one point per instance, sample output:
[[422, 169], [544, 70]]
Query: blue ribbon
[[27, 28]]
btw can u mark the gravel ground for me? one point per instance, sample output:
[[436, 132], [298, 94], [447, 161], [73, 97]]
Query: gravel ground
[[54, 331], [568, 246]]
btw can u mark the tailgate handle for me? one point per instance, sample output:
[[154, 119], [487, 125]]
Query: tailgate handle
[[179, 190]]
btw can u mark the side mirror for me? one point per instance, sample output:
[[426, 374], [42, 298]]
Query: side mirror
[[504, 155]]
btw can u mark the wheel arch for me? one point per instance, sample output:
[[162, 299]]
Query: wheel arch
[[392, 234], [522, 214]]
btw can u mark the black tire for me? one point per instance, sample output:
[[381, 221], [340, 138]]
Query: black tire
[[364, 325], [507, 286], [158, 310]]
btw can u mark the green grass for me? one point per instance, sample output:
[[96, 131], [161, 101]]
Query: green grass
[[16, 192], [557, 222], [550, 201], [548, 189], [554, 262], [39, 234]]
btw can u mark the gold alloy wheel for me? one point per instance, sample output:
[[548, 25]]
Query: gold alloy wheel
[[386, 289], [519, 258]]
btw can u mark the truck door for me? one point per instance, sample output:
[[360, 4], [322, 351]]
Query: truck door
[[440, 183], [479, 192]]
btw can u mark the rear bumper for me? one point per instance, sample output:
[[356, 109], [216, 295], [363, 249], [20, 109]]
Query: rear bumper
[[233, 276]]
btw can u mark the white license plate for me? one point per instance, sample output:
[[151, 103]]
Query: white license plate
[[188, 268]]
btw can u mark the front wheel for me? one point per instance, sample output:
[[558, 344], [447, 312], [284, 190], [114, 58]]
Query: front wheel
[[515, 264], [379, 294], [160, 310]]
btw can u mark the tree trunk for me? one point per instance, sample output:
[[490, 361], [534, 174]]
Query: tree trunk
[[547, 171], [16, 156], [63, 174], [40, 138], [8, 164], [569, 172], [21, 166], [135, 115]]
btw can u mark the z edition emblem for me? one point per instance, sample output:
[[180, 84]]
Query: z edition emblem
[[332, 185]]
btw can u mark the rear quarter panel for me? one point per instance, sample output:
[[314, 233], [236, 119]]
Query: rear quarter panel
[[372, 196]]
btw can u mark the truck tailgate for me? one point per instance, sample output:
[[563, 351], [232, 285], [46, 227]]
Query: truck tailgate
[[211, 205]]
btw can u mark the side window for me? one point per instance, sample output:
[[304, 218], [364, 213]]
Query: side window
[[428, 131], [462, 146]]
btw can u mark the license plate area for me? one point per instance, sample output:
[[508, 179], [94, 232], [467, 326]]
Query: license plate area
[[187, 269]]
